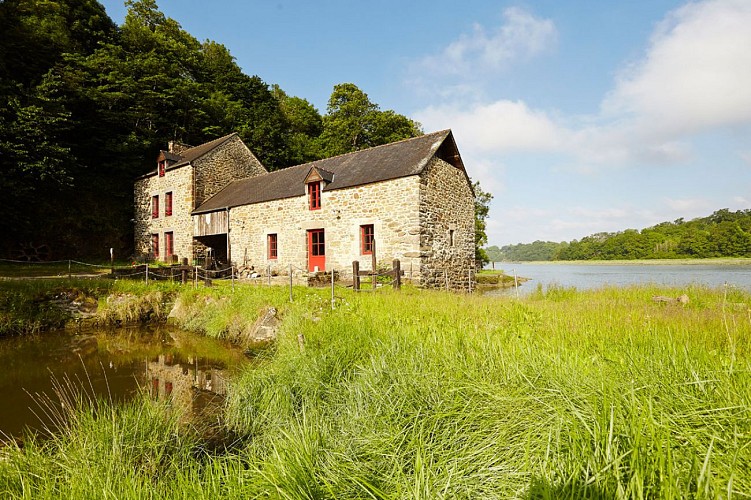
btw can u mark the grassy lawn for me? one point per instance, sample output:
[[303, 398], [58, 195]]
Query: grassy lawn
[[563, 394]]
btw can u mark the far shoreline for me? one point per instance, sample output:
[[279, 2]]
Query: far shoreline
[[719, 261]]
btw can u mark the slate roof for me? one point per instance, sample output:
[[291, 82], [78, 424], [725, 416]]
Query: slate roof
[[380, 163], [191, 154]]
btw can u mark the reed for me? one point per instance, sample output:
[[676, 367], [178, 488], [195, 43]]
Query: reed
[[564, 394]]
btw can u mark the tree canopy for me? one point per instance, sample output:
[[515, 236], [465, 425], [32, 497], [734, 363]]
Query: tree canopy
[[89, 104], [722, 234]]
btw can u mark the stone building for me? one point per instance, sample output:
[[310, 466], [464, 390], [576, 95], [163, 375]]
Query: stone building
[[185, 177], [410, 200]]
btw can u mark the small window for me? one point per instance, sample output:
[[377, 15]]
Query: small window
[[168, 204], [451, 237], [155, 245], [155, 207], [272, 246], [162, 167], [367, 239], [314, 195], [169, 244]]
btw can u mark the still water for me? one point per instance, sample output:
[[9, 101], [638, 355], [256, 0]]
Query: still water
[[587, 276], [116, 365]]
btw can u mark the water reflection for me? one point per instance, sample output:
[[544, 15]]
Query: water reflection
[[169, 364]]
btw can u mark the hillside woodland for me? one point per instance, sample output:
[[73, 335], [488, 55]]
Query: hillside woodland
[[88, 104], [722, 234]]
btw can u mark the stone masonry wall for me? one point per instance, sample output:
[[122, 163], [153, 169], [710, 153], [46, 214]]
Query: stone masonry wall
[[179, 181], [224, 164], [447, 216], [391, 206], [230, 161]]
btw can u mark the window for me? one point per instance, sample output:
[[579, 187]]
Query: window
[[272, 246], [155, 206], [168, 204], [169, 244], [155, 245], [451, 237], [367, 239], [314, 195], [162, 167]]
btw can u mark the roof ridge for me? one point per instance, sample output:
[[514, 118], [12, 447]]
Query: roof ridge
[[218, 140], [378, 146]]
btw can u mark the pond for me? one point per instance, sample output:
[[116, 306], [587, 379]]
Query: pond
[[587, 276], [116, 365]]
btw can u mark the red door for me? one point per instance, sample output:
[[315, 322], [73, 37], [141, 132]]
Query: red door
[[316, 250]]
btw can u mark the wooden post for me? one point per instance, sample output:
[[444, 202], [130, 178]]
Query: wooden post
[[332, 290], [373, 268], [184, 276], [356, 275], [69, 276], [397, 274], [112, 260], [147, 273], [206, 265], [516, 283]]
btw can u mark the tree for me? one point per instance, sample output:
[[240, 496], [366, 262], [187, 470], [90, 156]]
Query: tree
[[494, 254], [353, 123], [482, 209]]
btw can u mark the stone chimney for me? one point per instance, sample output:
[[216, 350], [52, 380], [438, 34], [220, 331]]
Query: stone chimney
[[177, 147]]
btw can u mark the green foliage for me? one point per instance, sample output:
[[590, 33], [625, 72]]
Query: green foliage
[[482, 209], [90, 104], [722, 234], [353, 123], [566, 394]]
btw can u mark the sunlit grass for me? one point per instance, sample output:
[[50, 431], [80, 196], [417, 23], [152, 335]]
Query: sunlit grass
[[564, 394]]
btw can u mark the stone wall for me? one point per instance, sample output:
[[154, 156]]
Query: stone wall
[[230, 161], [213, 171], [179, 181], [447, 216], [391, 206]]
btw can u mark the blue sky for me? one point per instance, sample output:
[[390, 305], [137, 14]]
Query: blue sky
[[578, 116]]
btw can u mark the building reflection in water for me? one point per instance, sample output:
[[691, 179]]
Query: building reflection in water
[[191, 383]]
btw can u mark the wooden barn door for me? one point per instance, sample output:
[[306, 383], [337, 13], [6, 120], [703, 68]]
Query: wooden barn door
[[316, 250]]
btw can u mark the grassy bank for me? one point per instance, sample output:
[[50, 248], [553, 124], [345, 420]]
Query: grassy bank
[[563, 394]]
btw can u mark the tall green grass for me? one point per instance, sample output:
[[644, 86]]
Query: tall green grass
[[565, 394]]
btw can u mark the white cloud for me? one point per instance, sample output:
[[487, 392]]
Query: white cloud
[[459, 69], [695, 76], [696, 73], [689, 206], [496, 127]]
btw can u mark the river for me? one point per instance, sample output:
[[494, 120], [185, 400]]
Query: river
[[117, 365], [587, 276]]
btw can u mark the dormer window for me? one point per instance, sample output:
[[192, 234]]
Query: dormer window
[[314, 195], [162, 167]]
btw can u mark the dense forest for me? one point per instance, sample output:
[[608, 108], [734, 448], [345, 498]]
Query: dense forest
[[722, 234], [87, 105]]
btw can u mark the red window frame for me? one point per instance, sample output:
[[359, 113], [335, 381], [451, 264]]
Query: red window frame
[[155, 245], [168, 204], [367, 237], [314, 195], [155, 206], [272, 246], [169, 243], [162, 167]]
